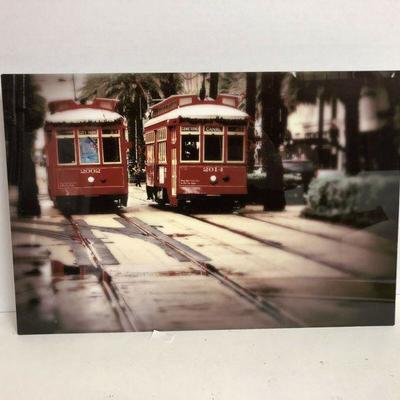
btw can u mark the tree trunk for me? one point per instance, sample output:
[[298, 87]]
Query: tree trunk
[[390, 159], [251, 88], [350, 95], [334, 137], [202, 93], [321, 103], [28, 203], [214, 84], [139, 107], [10, 118], [169, 84], [273, 126]]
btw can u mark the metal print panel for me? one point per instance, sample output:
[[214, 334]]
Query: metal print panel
[[184, 201]]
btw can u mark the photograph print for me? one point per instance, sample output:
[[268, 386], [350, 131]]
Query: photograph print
[[203, 200]]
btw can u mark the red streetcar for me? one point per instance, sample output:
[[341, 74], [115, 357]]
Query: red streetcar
[[86, 151], [196, 149]]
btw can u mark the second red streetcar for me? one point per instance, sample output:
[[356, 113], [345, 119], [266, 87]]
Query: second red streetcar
[[196, 150]]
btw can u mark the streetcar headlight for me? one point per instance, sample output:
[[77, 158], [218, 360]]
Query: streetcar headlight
[[213, 179], [90, 179]]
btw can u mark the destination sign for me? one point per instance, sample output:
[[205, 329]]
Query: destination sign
[[213, 129], [190, 129], [87, 132]]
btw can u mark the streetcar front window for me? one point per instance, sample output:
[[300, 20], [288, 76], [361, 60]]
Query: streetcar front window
[[88, 147], [111, 147], [190, 148], [111, 150], [66, 148], [213, 145], [235, 148]]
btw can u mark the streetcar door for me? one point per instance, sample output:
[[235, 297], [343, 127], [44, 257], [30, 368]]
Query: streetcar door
[[150, 167]]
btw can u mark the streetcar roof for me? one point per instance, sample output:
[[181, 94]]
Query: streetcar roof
[[200, 111], [83, 115]]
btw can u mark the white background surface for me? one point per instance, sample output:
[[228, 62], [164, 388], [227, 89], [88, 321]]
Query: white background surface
[[202, 35]]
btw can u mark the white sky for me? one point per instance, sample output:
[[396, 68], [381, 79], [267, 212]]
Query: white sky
[[60, 86]]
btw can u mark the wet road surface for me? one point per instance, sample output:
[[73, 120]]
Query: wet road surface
[[147, 268]]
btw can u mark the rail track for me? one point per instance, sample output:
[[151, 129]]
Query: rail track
[[120, 307], [199, 263], [303, 231], [285, 318], [280, 246], [123, 311]]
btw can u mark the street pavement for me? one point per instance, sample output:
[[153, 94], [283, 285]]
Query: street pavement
[[261, 270]]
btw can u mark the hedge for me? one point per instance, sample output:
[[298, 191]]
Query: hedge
[[360, 200]]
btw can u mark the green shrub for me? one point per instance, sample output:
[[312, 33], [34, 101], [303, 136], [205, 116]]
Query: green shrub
[[361, 200]]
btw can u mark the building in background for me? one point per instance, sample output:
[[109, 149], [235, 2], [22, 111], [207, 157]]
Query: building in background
[[303, 124]]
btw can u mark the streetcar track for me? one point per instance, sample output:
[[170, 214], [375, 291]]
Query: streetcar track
[[320, 235], [118, 303], [269, 306], [333, 298], [285, 318], [43, 232], [282, 247]]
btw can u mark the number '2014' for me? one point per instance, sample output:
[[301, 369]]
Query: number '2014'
[[213, 169]]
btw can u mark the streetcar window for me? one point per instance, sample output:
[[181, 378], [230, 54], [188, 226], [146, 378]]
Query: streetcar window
[[65, 147], [111, 148], [162, 152], [150, 153], [190, 148], [88, 147], [162, 133], [213, 145], [235, 148], [66, 150]]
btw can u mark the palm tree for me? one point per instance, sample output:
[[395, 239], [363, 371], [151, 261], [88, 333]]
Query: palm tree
[[251, 92], [214, 76], [133, 92], [202, 91], [170, 83], [349, 94]]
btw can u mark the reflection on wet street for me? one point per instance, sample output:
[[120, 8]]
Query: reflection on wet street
[[147, 267], [58, 298]]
